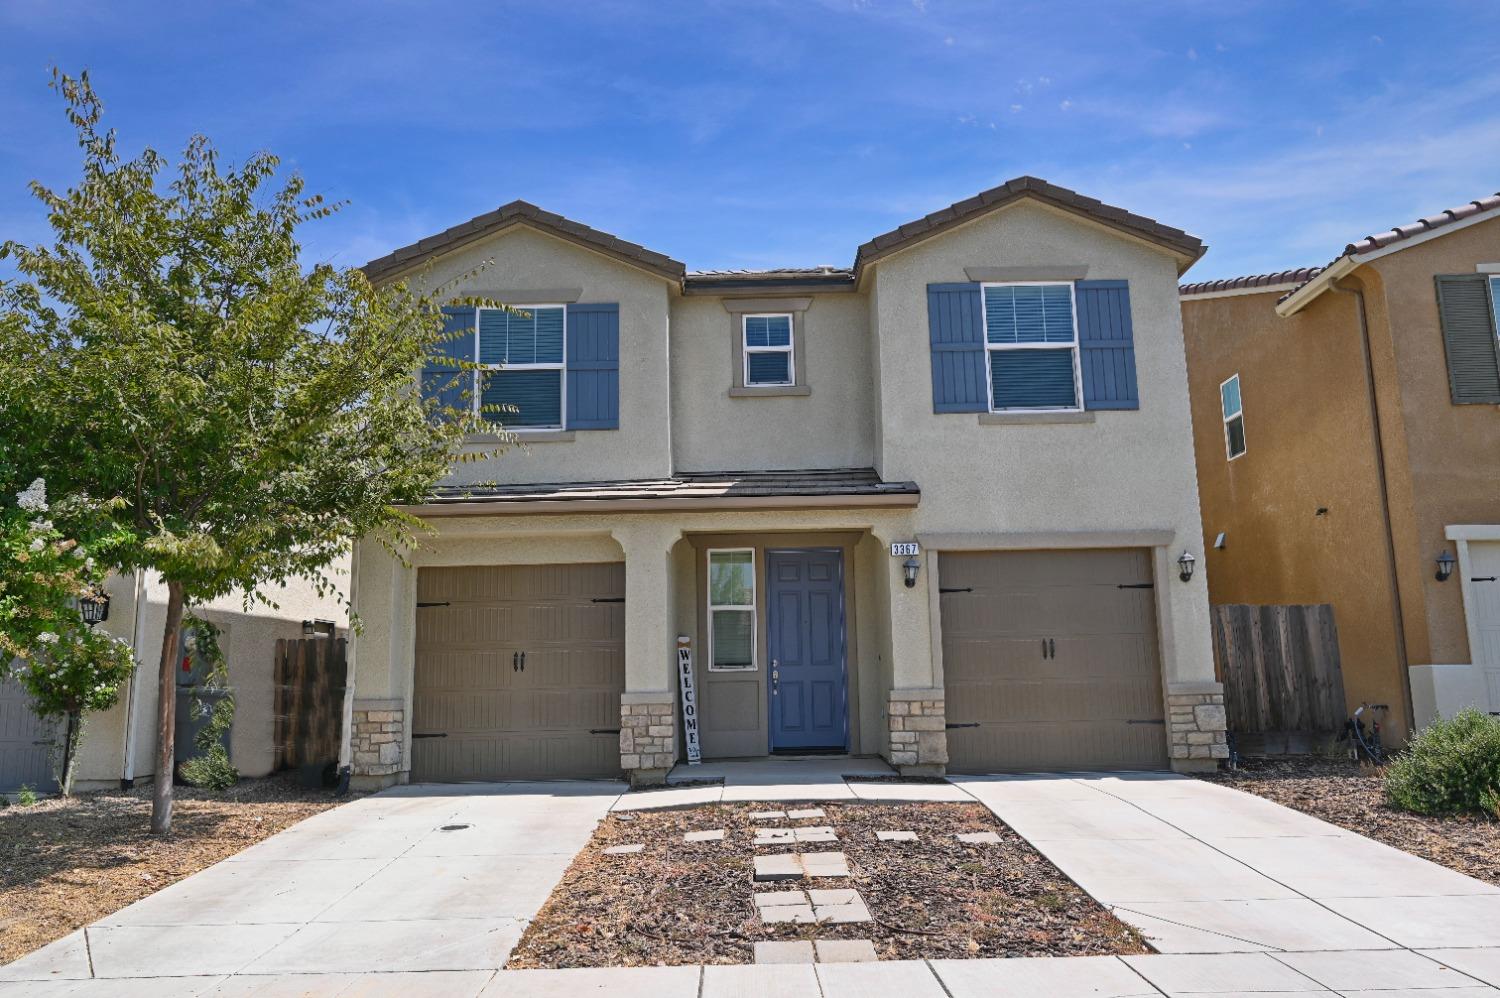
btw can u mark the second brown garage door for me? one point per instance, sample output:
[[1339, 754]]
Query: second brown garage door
[[519, 671], [1050, 661]]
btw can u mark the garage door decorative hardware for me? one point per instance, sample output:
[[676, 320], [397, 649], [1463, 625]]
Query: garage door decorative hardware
[[442, 734], [604, 731], [608, 599], [1049, 648], [965, 724], [1158, 720], [444, 603], [1484, 578], [965, 589], [452, 828], [1136, 585]]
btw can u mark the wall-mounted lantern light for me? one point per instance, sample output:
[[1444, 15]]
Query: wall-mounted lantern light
[[1444, 566], [94, 608], [1185, 563], [909, 568]]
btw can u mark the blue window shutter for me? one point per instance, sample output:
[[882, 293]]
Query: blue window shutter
[[593, 367], [1106, 345], [446, 383], [955, 326]]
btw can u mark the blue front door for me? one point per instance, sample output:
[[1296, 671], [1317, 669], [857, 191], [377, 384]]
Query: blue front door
[[809, 690]]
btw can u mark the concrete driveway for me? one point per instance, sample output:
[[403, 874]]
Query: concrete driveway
[[420, 878], [424, 891]]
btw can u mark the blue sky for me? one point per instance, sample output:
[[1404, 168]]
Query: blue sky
[[748, 134]]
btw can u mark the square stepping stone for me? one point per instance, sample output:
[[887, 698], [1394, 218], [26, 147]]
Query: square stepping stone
[[832, 897], [767, 815], [821, 833], [717, 835], [623, 850], [896, 836], [804, 813], [824, 864], [839, 914], [772, 899], [978, 838], [795, 913], [841, 950], [797, 951], [774, 836], [785, 866]]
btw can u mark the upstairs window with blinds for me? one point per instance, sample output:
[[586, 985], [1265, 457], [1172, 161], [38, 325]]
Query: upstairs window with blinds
[[1031, 339], [731, 610], [768, 351], [1234, 417], [1469, 311], [523, 353]]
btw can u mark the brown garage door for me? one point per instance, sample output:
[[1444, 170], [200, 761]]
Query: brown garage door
[[1050, 661], [519, 672]]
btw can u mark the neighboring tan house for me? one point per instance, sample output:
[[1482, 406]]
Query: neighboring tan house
[[730, 457], [118, 746], [1348, 436]]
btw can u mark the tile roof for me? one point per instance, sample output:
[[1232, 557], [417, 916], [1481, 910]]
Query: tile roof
[[1297, 275], [1380, 240], [817, 486], [513, 213], [1012, 190], [517, 212]]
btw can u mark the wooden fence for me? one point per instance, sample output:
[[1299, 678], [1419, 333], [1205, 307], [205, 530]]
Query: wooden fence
[[309, 708], [1283, 685]]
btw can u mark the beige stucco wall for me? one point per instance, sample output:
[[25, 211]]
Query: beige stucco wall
[[1123, 471], [521, 259], [248, 642], [832, 427]]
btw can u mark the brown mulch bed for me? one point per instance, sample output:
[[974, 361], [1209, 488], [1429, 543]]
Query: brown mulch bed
[[687, 903], [66, 863], [1351, 796]]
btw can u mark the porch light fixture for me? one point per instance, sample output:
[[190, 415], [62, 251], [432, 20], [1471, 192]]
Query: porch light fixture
[[94, 608], [1444, 567], [314, 627], [1185, 563], [909, 568]]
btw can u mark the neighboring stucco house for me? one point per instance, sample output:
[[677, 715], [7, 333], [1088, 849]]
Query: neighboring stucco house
[[1347, 437], [119, 745], [729, 457]]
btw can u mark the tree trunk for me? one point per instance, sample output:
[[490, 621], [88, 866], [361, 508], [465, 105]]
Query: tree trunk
[[166, 715], [70, 752]]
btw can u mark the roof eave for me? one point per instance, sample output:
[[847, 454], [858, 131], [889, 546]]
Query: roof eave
[[522, 507]]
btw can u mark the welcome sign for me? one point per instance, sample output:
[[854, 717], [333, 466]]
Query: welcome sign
[[689, 699]]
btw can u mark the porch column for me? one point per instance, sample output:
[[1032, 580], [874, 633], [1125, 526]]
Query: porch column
[[648, 715], [380, 656], [916, 710]]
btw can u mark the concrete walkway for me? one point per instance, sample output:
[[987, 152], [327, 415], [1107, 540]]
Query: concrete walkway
[[424, 891]]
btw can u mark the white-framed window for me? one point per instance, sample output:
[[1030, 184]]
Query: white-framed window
[[1495, 301], [524, 356], [1234, 417], [1031, 343], [731, 610], [768, 350]]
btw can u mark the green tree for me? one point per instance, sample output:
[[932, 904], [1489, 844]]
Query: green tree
[[67, 668], [255, 416]]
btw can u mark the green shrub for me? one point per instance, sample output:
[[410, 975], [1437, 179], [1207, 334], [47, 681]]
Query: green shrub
[[210, 770], [26, 796], [1452, 765]]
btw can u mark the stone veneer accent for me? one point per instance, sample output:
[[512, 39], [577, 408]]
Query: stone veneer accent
[[379, 729], [1196, 725], [648, 737], [919, 732]]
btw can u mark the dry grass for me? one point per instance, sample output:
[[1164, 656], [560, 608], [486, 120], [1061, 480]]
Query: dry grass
[[1351, 796], [687, 903], [66, 863]]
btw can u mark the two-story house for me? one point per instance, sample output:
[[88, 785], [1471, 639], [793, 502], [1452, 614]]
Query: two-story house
[[935, 507], [1348, 448]]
